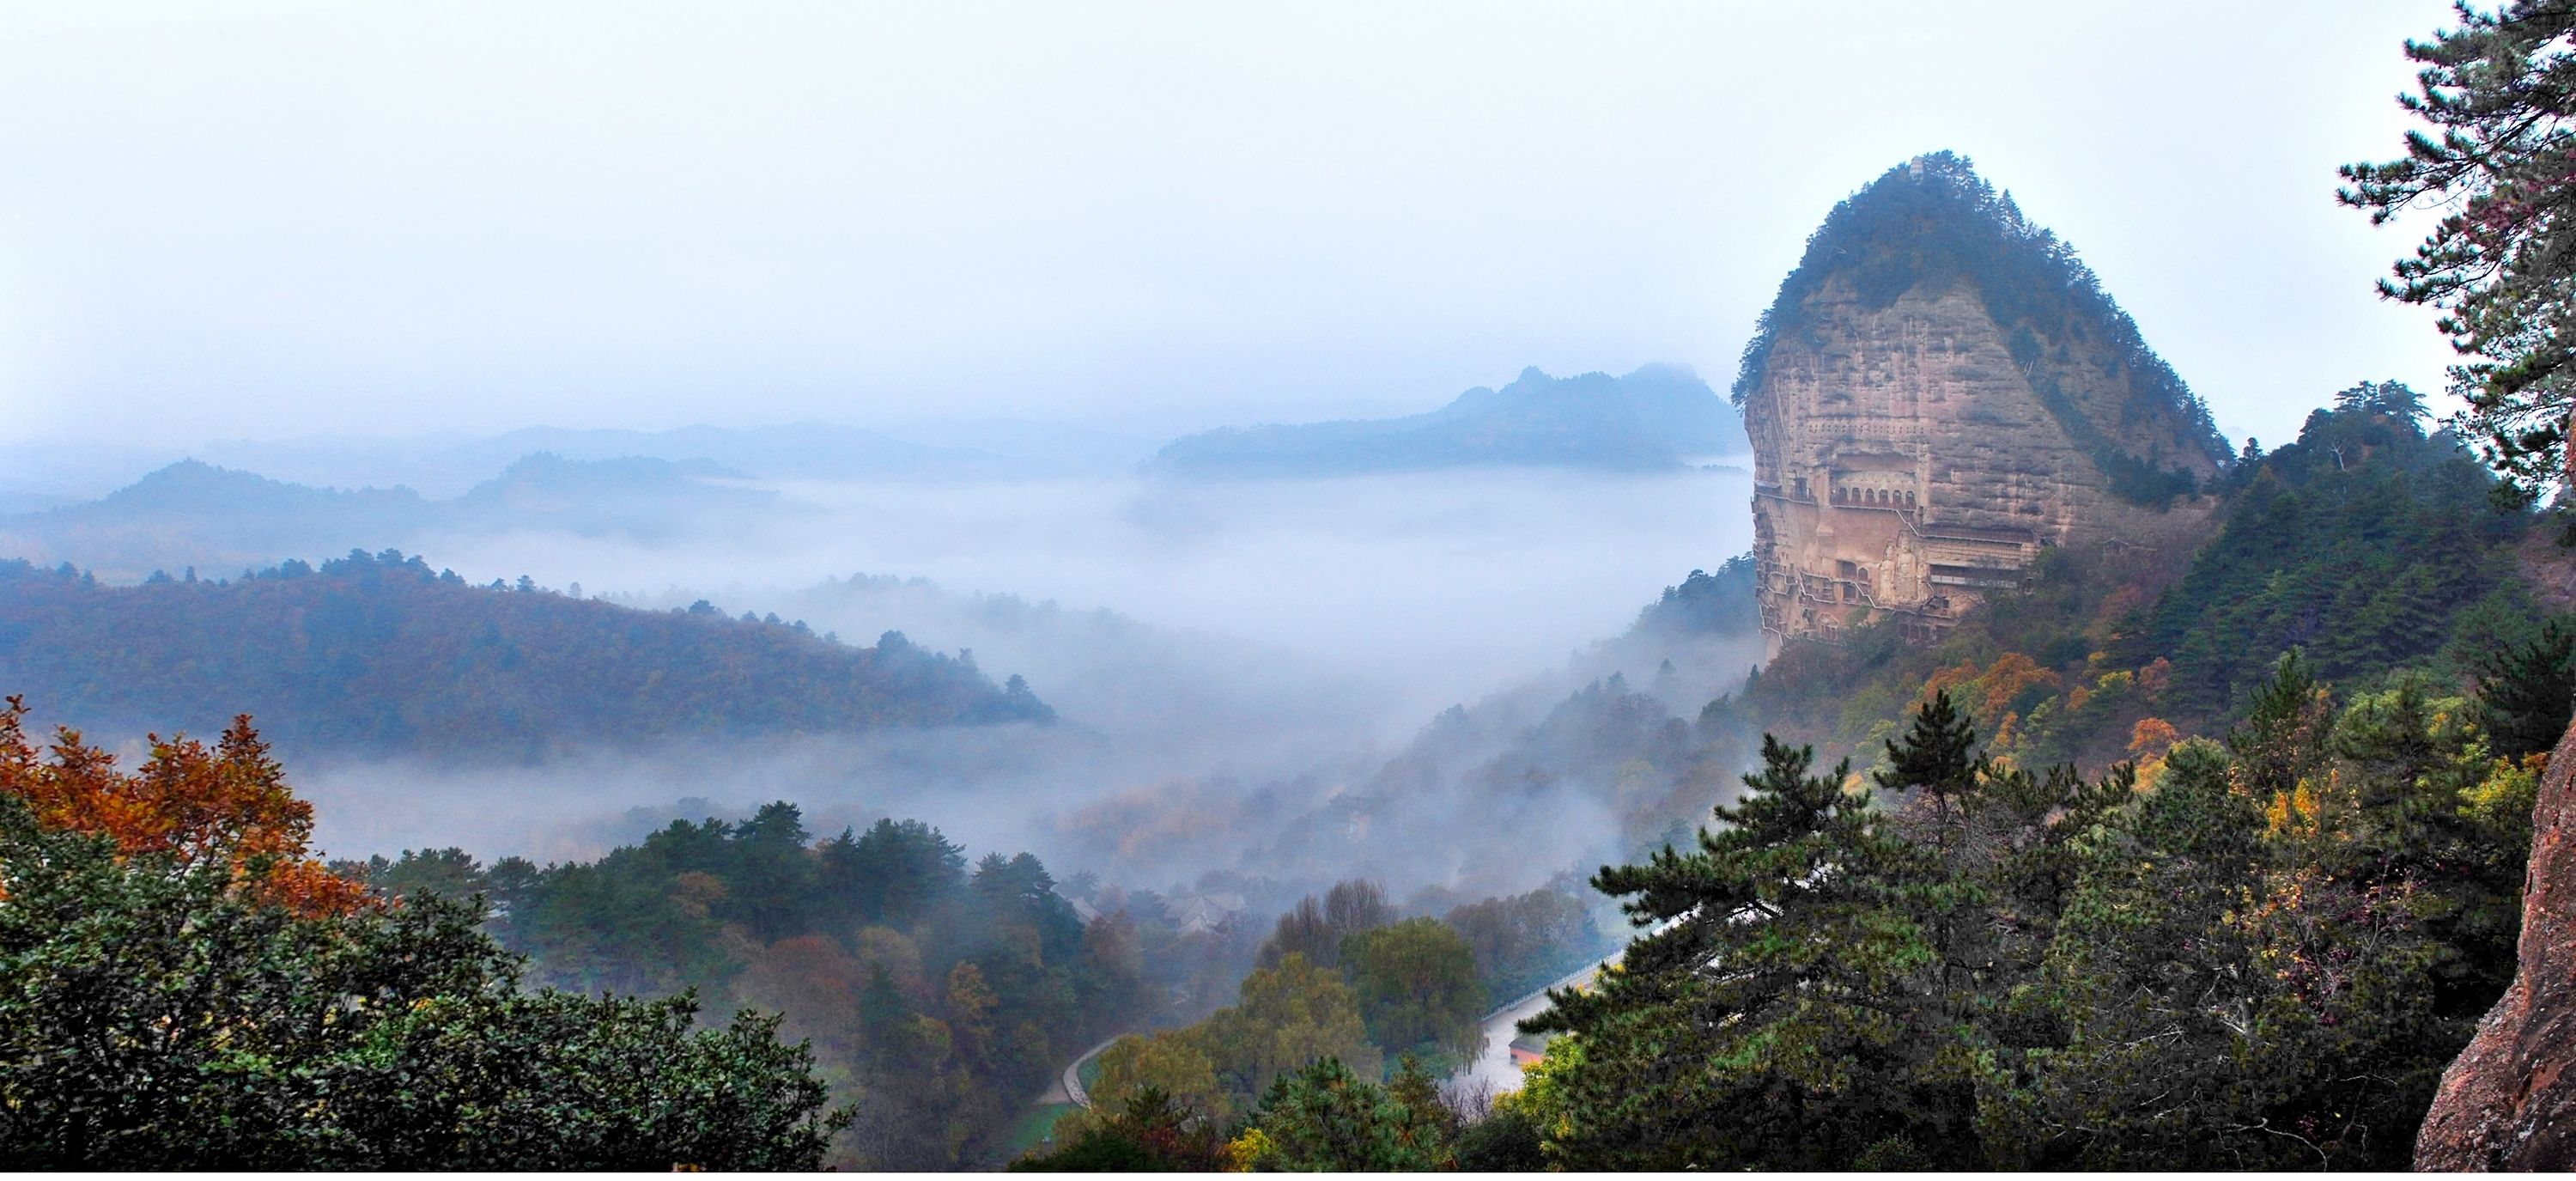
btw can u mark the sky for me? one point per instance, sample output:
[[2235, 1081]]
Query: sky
[[274, 220]]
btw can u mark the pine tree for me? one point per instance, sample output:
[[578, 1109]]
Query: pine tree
[[2527, 691], [1937, 759], [2156, 990], [1324, 1118], [1781, 1014], [2500, 91], [2284, 731]]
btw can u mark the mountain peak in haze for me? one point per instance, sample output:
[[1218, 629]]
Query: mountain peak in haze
[[1658, 416], [199, 488]]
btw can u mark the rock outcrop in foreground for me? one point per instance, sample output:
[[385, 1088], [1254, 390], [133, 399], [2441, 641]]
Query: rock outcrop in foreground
[[1941, 391], [2508, 1102]]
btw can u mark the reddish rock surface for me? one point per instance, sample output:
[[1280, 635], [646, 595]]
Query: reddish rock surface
[[2509, 1101]]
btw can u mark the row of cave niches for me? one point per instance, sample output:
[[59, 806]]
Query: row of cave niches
[[1874, 497]]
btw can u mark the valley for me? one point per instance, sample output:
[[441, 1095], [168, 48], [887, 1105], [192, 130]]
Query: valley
[[1080, 589]]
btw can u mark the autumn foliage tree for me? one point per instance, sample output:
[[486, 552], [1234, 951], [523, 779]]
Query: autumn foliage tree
[[191, 803]]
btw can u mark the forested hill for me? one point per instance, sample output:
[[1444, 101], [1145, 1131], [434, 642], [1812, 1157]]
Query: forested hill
[[382, 655], [1656, 417]]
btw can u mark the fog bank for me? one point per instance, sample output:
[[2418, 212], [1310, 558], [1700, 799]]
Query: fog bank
[[1251, 676]]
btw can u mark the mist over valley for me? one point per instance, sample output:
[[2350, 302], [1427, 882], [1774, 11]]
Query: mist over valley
[[1247, 674]]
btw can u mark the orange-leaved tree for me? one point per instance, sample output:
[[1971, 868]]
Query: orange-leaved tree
[[189, 802]]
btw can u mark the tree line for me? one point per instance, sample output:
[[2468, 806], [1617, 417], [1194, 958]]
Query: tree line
[[380, 654]]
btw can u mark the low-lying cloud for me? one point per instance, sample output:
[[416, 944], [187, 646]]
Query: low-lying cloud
[[1235, 664]]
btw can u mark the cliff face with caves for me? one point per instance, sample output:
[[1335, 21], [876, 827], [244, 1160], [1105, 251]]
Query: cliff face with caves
[[1940, 391]]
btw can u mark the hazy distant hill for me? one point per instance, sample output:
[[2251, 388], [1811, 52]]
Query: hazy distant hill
[[222, 521], [446, 465], [195, 514], [806, 450], [1656, 417], [641, 497], [205, 492], [381, 655]]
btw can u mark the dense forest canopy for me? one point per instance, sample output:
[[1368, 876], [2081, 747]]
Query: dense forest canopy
[[1933, 224], [937, 995], [2252, 954], [379, 654], [1705, 604], [2367, 543]]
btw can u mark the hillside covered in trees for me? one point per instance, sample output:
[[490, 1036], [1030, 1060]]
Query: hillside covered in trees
[[939, 995], [2251, 953], [380, 654], [2148, 864]]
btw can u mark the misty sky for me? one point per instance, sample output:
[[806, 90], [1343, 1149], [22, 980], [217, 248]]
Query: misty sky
[[279, 219]]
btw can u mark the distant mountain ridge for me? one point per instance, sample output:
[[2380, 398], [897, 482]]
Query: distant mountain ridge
[[192, 513], [446, 464], [804, 450], [1659, 416]]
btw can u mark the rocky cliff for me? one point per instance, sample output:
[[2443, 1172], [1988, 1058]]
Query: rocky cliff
[[1941, 391], [2508, 1102]]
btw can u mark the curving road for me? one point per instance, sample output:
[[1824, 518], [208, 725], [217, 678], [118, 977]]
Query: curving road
[[1068, 1089], [1494, 1067]]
